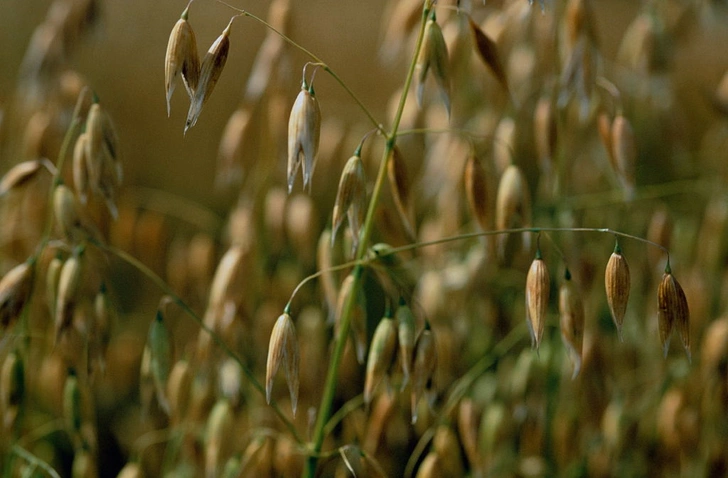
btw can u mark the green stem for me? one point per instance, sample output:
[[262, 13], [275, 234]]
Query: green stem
[[35, 461], [340, 340], [137, 264]]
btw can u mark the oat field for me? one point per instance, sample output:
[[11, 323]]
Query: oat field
[[400, 238]]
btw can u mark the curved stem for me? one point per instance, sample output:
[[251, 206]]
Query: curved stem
[[35, 461], [137, 264], [316, 59]]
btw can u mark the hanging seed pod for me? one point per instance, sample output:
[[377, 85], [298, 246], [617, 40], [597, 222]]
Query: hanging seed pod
[[351, 198], [236, 136], [478, 192], [12, 389], [80, 169], [544, 131], [72, 404], [430, 467], [217, 437], [571, 310], [447, 446], [15, 290], [67, 215], [423, 366], [672, 311], [468, 421], [69, 284], [488, 52], [324, 262], [406, 335], [304, 132], [105, 321], [22, 173], [625, 153], [131, 470], [433, 56], [617, 284], [537, 299], [604, 128], [358, 316], [210, 70], [179, 389], [399, 184], [381, 355], [181, 57], [283, 349], [102, 141], [84, 465], [513, 205], [660, 232], [160, 358]]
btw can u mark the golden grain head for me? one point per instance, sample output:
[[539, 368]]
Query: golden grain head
[[478, 193], [210, 70], [616, 285], [72, 404], [433, 57], [304, 133], [571, 310], [159, 341], [538, 284], [350, 198], [672, 311], [181, 58], [12, 389], [283, 350], [625, 152], [16, 287], [399, 185], [424, 365], [381, 355], [430, 466], [22, 173], [406, 337], [69, 283]]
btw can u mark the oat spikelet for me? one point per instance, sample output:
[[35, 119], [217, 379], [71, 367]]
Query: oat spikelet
[[23, 172], [160, 355], [617, 284], [513, 205], [283, 349], [381, 354], [478, 192], [350, 198], [210, 70], [72, 404], [69, 284], [672, 311], [181, 58], [16, 287], [399, 184], [80, 168], [304, 132], [406, 335], [424, 365], [488, 52], [624, 153], [571, 310], [433, 57], [12, 388], [431, 467], [537, 298]]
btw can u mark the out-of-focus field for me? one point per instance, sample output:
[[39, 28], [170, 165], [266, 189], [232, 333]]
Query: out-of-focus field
[[628, 413]]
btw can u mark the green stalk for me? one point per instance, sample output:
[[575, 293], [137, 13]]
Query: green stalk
[[340, 341]]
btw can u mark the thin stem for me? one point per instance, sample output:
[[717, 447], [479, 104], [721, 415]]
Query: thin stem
[[35, 461], [316, 59], [134, 262], [340, 341], [342, 412]]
